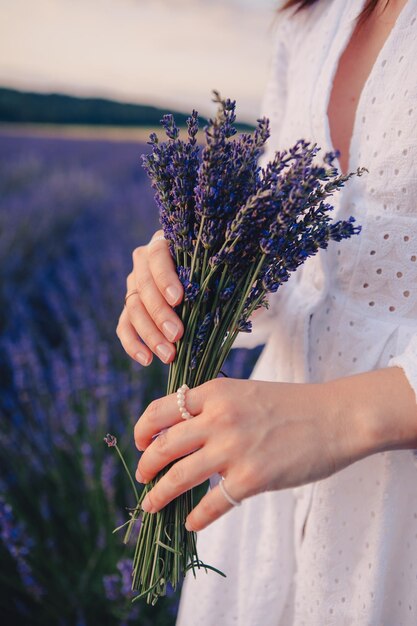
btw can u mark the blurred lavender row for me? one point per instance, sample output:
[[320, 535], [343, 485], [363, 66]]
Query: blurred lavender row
[[71, 211]]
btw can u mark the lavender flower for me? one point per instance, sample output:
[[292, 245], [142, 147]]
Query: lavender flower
[[171, 128], [228, 173], [57, 388], [236, 232], [227, 292], [111, 584], [119, 586], [110, 440], [244, 326], [125, 568], [19, 546], [172, 167], [191, 288], [200, 338]]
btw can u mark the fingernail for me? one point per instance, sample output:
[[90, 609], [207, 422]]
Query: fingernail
[[172, 294], [170, 330], [142, 358], [146, 504], [139, 477], [163, 351], [187, 526]]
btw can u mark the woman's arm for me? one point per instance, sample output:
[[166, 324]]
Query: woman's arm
[[384, 402], [264, 436]]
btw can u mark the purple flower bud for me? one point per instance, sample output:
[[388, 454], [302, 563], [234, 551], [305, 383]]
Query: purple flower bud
[[110, 440], [191, 289], [19, 545], [125, 567], [171, 128], [192, 124], [111, 584], [244, 326], [200, 338]]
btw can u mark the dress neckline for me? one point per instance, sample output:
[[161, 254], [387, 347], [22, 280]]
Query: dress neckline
[[348, 21]]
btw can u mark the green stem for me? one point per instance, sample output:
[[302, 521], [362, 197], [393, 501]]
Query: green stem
[[164, 549], [196, 254], [217, 334], [230, 322], [132, 482]]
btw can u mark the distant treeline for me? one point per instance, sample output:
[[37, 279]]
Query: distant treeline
[[23, 106]]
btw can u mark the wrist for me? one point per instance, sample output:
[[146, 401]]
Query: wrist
[[348, 425], [377, 411]]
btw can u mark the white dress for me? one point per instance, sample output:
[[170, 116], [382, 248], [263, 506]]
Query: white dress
[[351, 309]]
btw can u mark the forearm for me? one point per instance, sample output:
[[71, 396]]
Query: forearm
[[379, 409], [265, 436]]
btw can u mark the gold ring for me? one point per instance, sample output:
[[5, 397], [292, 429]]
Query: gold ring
[[130, 293]]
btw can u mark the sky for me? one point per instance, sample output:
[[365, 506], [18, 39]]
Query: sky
[[162, 52]]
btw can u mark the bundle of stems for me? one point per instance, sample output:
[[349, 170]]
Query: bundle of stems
[[236, 232]]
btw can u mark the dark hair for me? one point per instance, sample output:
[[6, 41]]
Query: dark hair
[[370, 6]]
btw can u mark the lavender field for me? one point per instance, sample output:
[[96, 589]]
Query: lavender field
[[71, 211]]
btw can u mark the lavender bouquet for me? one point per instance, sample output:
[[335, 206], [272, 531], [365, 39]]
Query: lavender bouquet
[[236, 232]]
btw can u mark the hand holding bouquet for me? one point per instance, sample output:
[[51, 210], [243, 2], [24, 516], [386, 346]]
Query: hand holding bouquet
[[236, 232]]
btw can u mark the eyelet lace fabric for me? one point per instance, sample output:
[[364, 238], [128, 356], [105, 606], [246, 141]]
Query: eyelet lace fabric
[[341, 551]]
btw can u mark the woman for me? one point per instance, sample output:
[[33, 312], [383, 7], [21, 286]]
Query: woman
[[319, 444]]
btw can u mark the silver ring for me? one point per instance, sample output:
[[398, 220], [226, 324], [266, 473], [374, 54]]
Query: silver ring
[[227, 495], [159, 238], [181, 402]]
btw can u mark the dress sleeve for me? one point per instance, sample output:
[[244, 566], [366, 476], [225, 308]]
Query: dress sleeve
[[407, 360], [273, 107]]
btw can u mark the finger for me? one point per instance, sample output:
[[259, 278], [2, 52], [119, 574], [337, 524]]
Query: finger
[[170, 445], [157, 307], [183, 475], [130, 341], [211, 506], [146, 329], [164, 412], [163, 271]]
